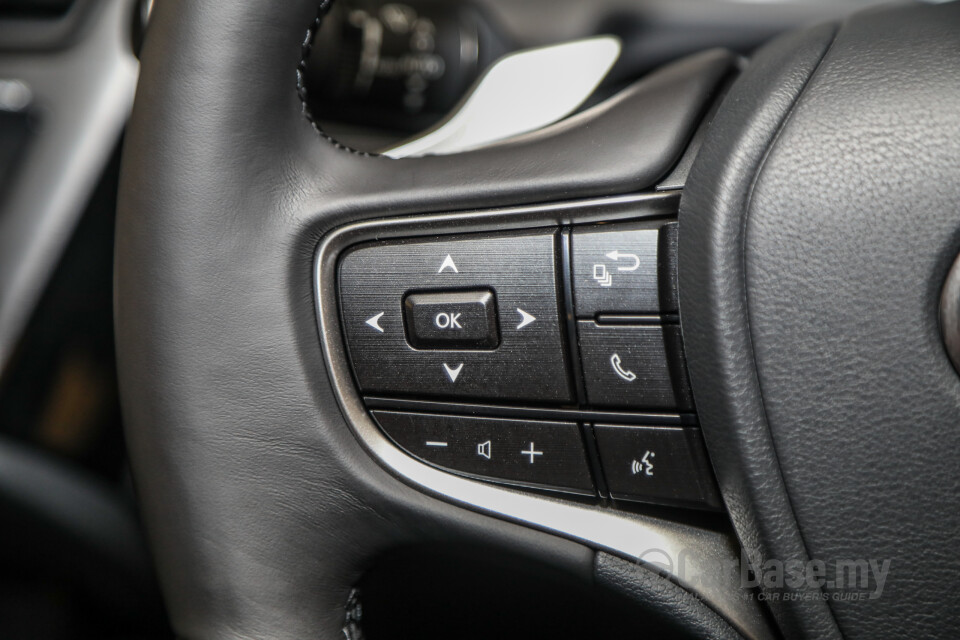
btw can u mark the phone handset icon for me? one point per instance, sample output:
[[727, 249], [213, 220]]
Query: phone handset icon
[[626, 374]]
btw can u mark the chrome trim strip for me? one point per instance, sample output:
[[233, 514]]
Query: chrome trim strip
[[521, 92], [703, 561]]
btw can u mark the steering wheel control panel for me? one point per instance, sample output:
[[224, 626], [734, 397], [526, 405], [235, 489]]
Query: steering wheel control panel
[[548, 357]]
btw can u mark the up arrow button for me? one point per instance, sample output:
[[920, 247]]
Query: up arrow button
[[448, 265]]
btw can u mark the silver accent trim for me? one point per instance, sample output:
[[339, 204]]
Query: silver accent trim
[[703, 561], [521, 92], [83, 94]]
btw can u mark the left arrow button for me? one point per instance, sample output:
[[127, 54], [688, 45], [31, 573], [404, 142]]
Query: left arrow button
[[375, 322]]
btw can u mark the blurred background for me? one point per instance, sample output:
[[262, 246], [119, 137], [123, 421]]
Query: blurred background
[[73, 561]]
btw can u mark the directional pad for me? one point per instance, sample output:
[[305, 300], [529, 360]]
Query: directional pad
[[461, 317]]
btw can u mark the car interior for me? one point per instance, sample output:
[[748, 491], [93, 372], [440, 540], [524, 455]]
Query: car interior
[[474, 319]]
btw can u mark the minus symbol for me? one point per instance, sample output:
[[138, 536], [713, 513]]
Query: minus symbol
[[435, 443]]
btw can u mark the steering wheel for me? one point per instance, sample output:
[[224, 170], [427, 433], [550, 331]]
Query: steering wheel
[[817, 226]]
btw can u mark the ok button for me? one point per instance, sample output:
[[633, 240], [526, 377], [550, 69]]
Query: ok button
[[448, 320], [452, 320]]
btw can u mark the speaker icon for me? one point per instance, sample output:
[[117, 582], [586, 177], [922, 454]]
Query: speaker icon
[[483, 449]]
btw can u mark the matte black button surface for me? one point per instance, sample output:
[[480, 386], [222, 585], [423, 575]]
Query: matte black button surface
[[528, 364], [452, 320], [666, 465], [535, 453], [623, 269], [634, 366]]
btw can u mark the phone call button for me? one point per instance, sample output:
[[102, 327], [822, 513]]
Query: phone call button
[[634, 366]]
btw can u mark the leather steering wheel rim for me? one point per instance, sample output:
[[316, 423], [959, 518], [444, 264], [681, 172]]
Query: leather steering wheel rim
[[262, 507]]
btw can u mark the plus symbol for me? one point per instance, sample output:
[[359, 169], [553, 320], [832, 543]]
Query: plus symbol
[[532, 452]]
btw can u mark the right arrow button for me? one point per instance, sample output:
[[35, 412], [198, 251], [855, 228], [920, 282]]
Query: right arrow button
[[525, 318]]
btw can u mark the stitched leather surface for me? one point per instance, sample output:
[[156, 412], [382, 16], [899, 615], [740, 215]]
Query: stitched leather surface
[[848, 231], [262, 507]]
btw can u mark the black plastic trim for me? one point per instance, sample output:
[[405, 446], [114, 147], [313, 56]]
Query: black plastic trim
[[570, 316]]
